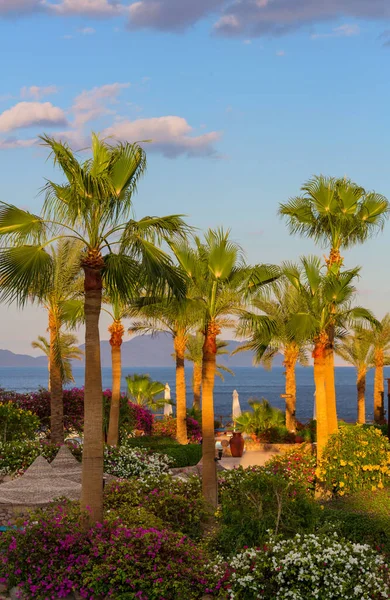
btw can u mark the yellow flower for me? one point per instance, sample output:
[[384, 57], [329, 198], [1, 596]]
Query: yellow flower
[[341, 492], [380, 485], [373, 489], [322, 507], [341, 484], [343, 463]]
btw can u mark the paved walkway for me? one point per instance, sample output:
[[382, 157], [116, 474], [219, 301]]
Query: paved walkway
[[249, 459]]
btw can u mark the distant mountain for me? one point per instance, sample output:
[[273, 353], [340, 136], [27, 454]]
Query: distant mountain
[[10, 359], [140, 351]]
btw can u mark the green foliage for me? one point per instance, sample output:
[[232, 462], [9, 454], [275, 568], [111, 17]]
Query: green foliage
[[260, 419], [134, 516], [254, 501], [144, 391], [125, 461], [361, 518], [16, 423], [178, 503], [355, 459], [16, 457], [180, 456], [297, 467]]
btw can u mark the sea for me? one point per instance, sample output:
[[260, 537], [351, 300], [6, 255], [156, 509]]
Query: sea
[[250, 383]]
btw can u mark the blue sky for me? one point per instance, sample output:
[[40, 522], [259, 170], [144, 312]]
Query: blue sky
[[243, 100]]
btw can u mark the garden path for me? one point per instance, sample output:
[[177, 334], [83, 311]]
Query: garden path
[[248, 459]]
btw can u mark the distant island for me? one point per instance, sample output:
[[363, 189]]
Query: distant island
[[140, 351]]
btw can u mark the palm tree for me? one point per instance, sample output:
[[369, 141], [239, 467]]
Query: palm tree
[[194, 354], [116, 330], [338, 214], [68, 351], [356, 350], [58, 296], [94, 206], [144, 391], [177, 318], [269, 334], [221, 281], [380, 340], [327, 300]]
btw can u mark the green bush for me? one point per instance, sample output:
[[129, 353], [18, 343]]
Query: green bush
[[178, 503], [181, 456], [262, 418], [298, 467], [363, 517], [17, 423], [254, 501], [355, 459], [134, 516]]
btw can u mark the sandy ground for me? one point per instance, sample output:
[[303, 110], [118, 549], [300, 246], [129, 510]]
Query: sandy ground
[[249, 459]]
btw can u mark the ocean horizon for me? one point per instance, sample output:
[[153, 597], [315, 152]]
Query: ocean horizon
[[250, 382]]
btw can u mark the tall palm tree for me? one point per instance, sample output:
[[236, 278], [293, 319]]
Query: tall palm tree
[[68, 351], [327, 300], [380, 339], [338, 214], [356, 350], [194, 354], [118, 312], [144, 391], [221, 281], [93, 205], [269, 334], [58, 296], [177, 317]]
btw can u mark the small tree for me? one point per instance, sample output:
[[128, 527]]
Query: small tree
[[142, 390]]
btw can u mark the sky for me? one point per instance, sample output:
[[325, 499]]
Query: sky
[[242, 101]]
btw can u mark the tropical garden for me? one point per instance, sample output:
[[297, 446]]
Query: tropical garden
[[313, 522]]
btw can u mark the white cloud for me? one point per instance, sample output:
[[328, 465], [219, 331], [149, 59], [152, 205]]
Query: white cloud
[[12, 142], [169, 135], [92, 104], [347, 30], [31, 114], [96, 8], [18, 6], [87, 31], [37, 92]]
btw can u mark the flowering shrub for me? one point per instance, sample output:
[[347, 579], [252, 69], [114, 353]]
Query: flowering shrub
[[178, 503], [16, 457], [126, 461], [153, 565], [254, 501], [355, 459], [297, 467], [305, 567], [16, 423], [52, 555], [133, 416], [167, 428]]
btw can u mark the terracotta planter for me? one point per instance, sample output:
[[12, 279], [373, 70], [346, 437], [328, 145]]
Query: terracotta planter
[[237, 444]]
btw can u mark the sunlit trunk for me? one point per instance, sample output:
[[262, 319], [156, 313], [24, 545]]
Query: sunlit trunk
[[92, 473], [330, 390], [197, 385], [56, 395], [116, 330], [361, 395], [291, 354], [181, 400], [209, 474], [321, 405], [379, 387]]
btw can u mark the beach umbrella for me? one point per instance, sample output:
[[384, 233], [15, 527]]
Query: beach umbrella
[[167, 405], [236, 410]]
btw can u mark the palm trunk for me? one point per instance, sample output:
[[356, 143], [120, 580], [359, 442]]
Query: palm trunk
[[209, 474], [291, 353], [361, 395], [116, 330], [181, 400], [92, 473], [330, 390], [197, 384], [379, 387], [56, 395], [321, 404]]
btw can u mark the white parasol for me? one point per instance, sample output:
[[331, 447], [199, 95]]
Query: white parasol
[[236, 410], [167, 396]]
